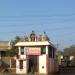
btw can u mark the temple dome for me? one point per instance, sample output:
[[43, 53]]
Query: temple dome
[[44, 37]]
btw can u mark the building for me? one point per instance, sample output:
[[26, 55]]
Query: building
[[36, 55], [4, 47]]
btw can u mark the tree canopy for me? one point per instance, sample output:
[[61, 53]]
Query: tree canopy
[[70, 50], [14, 49]]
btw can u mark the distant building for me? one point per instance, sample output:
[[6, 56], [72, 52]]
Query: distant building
[[65, 60], [36, 54], [4, 47]]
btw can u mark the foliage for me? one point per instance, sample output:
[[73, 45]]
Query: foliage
[[70, 50], [14, 50]]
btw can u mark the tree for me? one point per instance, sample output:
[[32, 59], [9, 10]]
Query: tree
[[14, 50], [70, 50]]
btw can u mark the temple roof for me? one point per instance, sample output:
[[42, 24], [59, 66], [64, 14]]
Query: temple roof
[[35, 40], [32, 43]]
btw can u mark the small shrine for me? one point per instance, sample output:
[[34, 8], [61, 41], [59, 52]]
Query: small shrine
[[36, 54]]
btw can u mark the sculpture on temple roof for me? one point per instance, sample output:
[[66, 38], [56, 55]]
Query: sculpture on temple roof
[[44, 37], [32, 36]]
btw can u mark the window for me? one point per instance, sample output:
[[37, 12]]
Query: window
[[3, 53], [51, 52], [43, 50], [21, 64], [22, 50]]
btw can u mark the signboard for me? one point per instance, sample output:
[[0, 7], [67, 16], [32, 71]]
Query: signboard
[[33, 50]]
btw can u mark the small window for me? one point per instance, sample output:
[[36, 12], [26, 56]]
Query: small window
[[3, 53], [43, 50], [21, 64], [22, 50]]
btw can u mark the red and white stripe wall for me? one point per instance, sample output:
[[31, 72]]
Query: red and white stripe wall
[[45, 64]]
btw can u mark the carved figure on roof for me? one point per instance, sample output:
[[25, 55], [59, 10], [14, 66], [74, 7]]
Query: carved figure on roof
[[33, 36], [44, 37]]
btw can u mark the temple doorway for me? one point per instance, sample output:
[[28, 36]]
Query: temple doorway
[[32, 64]]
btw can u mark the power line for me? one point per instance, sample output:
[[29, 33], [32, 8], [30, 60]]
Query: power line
[[49, 15], [46, 28]]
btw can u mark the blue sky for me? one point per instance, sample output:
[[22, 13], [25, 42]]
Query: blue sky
[[55, 17]]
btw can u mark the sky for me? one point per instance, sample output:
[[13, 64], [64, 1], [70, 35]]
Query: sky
[[55, 17]]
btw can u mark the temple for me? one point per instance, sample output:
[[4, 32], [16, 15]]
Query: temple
[[36, 54]]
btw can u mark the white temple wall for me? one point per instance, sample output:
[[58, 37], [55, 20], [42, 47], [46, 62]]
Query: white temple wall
[[21, 71], [42, 64]]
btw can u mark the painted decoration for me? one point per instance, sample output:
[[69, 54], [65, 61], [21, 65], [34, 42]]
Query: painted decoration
[[33, 50]]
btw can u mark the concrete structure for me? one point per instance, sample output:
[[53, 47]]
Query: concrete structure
[[4, 47], [36, 55]]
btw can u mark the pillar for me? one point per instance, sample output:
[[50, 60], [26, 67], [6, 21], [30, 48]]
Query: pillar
[[19, 53], [46, 50], [25, 51], [43, 63], [10, 62], [0, 59], [46, 59]]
